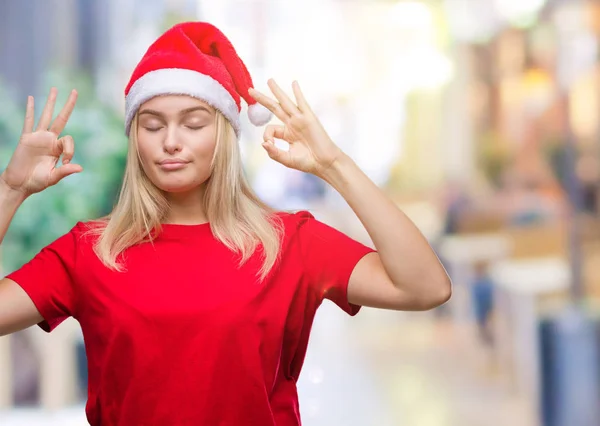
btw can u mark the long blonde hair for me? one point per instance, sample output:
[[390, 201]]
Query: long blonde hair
[[237, 217]]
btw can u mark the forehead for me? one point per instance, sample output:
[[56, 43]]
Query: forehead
[[174, 103]]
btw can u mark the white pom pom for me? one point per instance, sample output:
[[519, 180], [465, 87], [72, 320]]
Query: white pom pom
[[259, 115]]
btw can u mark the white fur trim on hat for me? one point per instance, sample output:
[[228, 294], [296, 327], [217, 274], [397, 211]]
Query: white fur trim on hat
[[177, 81]]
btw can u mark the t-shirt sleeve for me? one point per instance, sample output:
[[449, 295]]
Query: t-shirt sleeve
[[329, 257], [48, 279]]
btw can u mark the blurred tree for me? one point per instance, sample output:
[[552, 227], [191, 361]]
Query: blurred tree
[[100, 147]]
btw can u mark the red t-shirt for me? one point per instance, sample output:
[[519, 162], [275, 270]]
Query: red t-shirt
[[184, 336]]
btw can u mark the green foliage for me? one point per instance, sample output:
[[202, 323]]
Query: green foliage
[[100, 147]]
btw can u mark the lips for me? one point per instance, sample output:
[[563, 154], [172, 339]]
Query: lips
[[173, 161], [173, 164]]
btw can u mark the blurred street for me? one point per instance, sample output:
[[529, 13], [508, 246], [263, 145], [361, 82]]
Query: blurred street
[[380, 369], [480, 119]]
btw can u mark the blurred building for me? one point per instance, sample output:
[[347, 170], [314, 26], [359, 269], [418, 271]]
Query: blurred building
[[482, 113], [102, 38], [37, 35]]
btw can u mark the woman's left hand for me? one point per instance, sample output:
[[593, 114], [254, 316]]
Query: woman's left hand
[[311, 149]]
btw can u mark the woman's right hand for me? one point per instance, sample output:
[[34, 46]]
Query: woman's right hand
[[34, 164]]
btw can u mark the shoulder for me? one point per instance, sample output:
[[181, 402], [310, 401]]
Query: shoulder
[[66, 246], [294, 221], [85, 233], [306, 226], [295, 218]]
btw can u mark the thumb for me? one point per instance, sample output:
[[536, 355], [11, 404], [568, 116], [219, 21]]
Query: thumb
[[277, 154], [59, 173]]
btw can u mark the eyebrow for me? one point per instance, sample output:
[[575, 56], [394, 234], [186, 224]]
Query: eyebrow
[[181, 113]]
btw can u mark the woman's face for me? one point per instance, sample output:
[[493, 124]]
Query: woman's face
[[176, 140]]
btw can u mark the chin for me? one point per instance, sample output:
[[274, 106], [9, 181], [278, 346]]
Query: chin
[[179, 187], [176, 189]]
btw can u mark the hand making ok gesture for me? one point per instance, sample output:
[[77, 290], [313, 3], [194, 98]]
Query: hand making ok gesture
[[311, 149], [34, 164]]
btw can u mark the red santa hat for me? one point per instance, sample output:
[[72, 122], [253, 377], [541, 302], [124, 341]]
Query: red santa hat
[[195, 59]]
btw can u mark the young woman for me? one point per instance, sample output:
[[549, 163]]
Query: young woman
[[196, 299]]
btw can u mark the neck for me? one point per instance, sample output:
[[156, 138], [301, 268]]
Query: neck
[[186, 208]]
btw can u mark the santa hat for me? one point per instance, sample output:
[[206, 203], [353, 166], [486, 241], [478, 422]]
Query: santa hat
[[195, 59]]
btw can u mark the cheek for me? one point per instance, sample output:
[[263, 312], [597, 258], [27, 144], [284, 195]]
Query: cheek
[[145, 154], [204, 149]]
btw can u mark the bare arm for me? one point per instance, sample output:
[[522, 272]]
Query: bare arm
[[31, 169], [17, 311], [10, 200], [405, 273]]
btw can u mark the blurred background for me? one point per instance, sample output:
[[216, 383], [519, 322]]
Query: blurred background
[[480, 118]]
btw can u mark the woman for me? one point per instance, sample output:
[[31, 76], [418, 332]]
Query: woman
[[196, 299]]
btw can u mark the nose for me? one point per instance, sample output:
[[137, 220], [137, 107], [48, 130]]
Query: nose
[[171, 144]]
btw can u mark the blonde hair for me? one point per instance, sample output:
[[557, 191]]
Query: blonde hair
[[237, 217]]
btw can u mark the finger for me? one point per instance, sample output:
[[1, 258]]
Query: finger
[[46, 117], [273, 131], [59, 173], [67, 145], [300, 99], [284, 100], [277, 154], [63, 117], [271, 104], [29, 115]]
